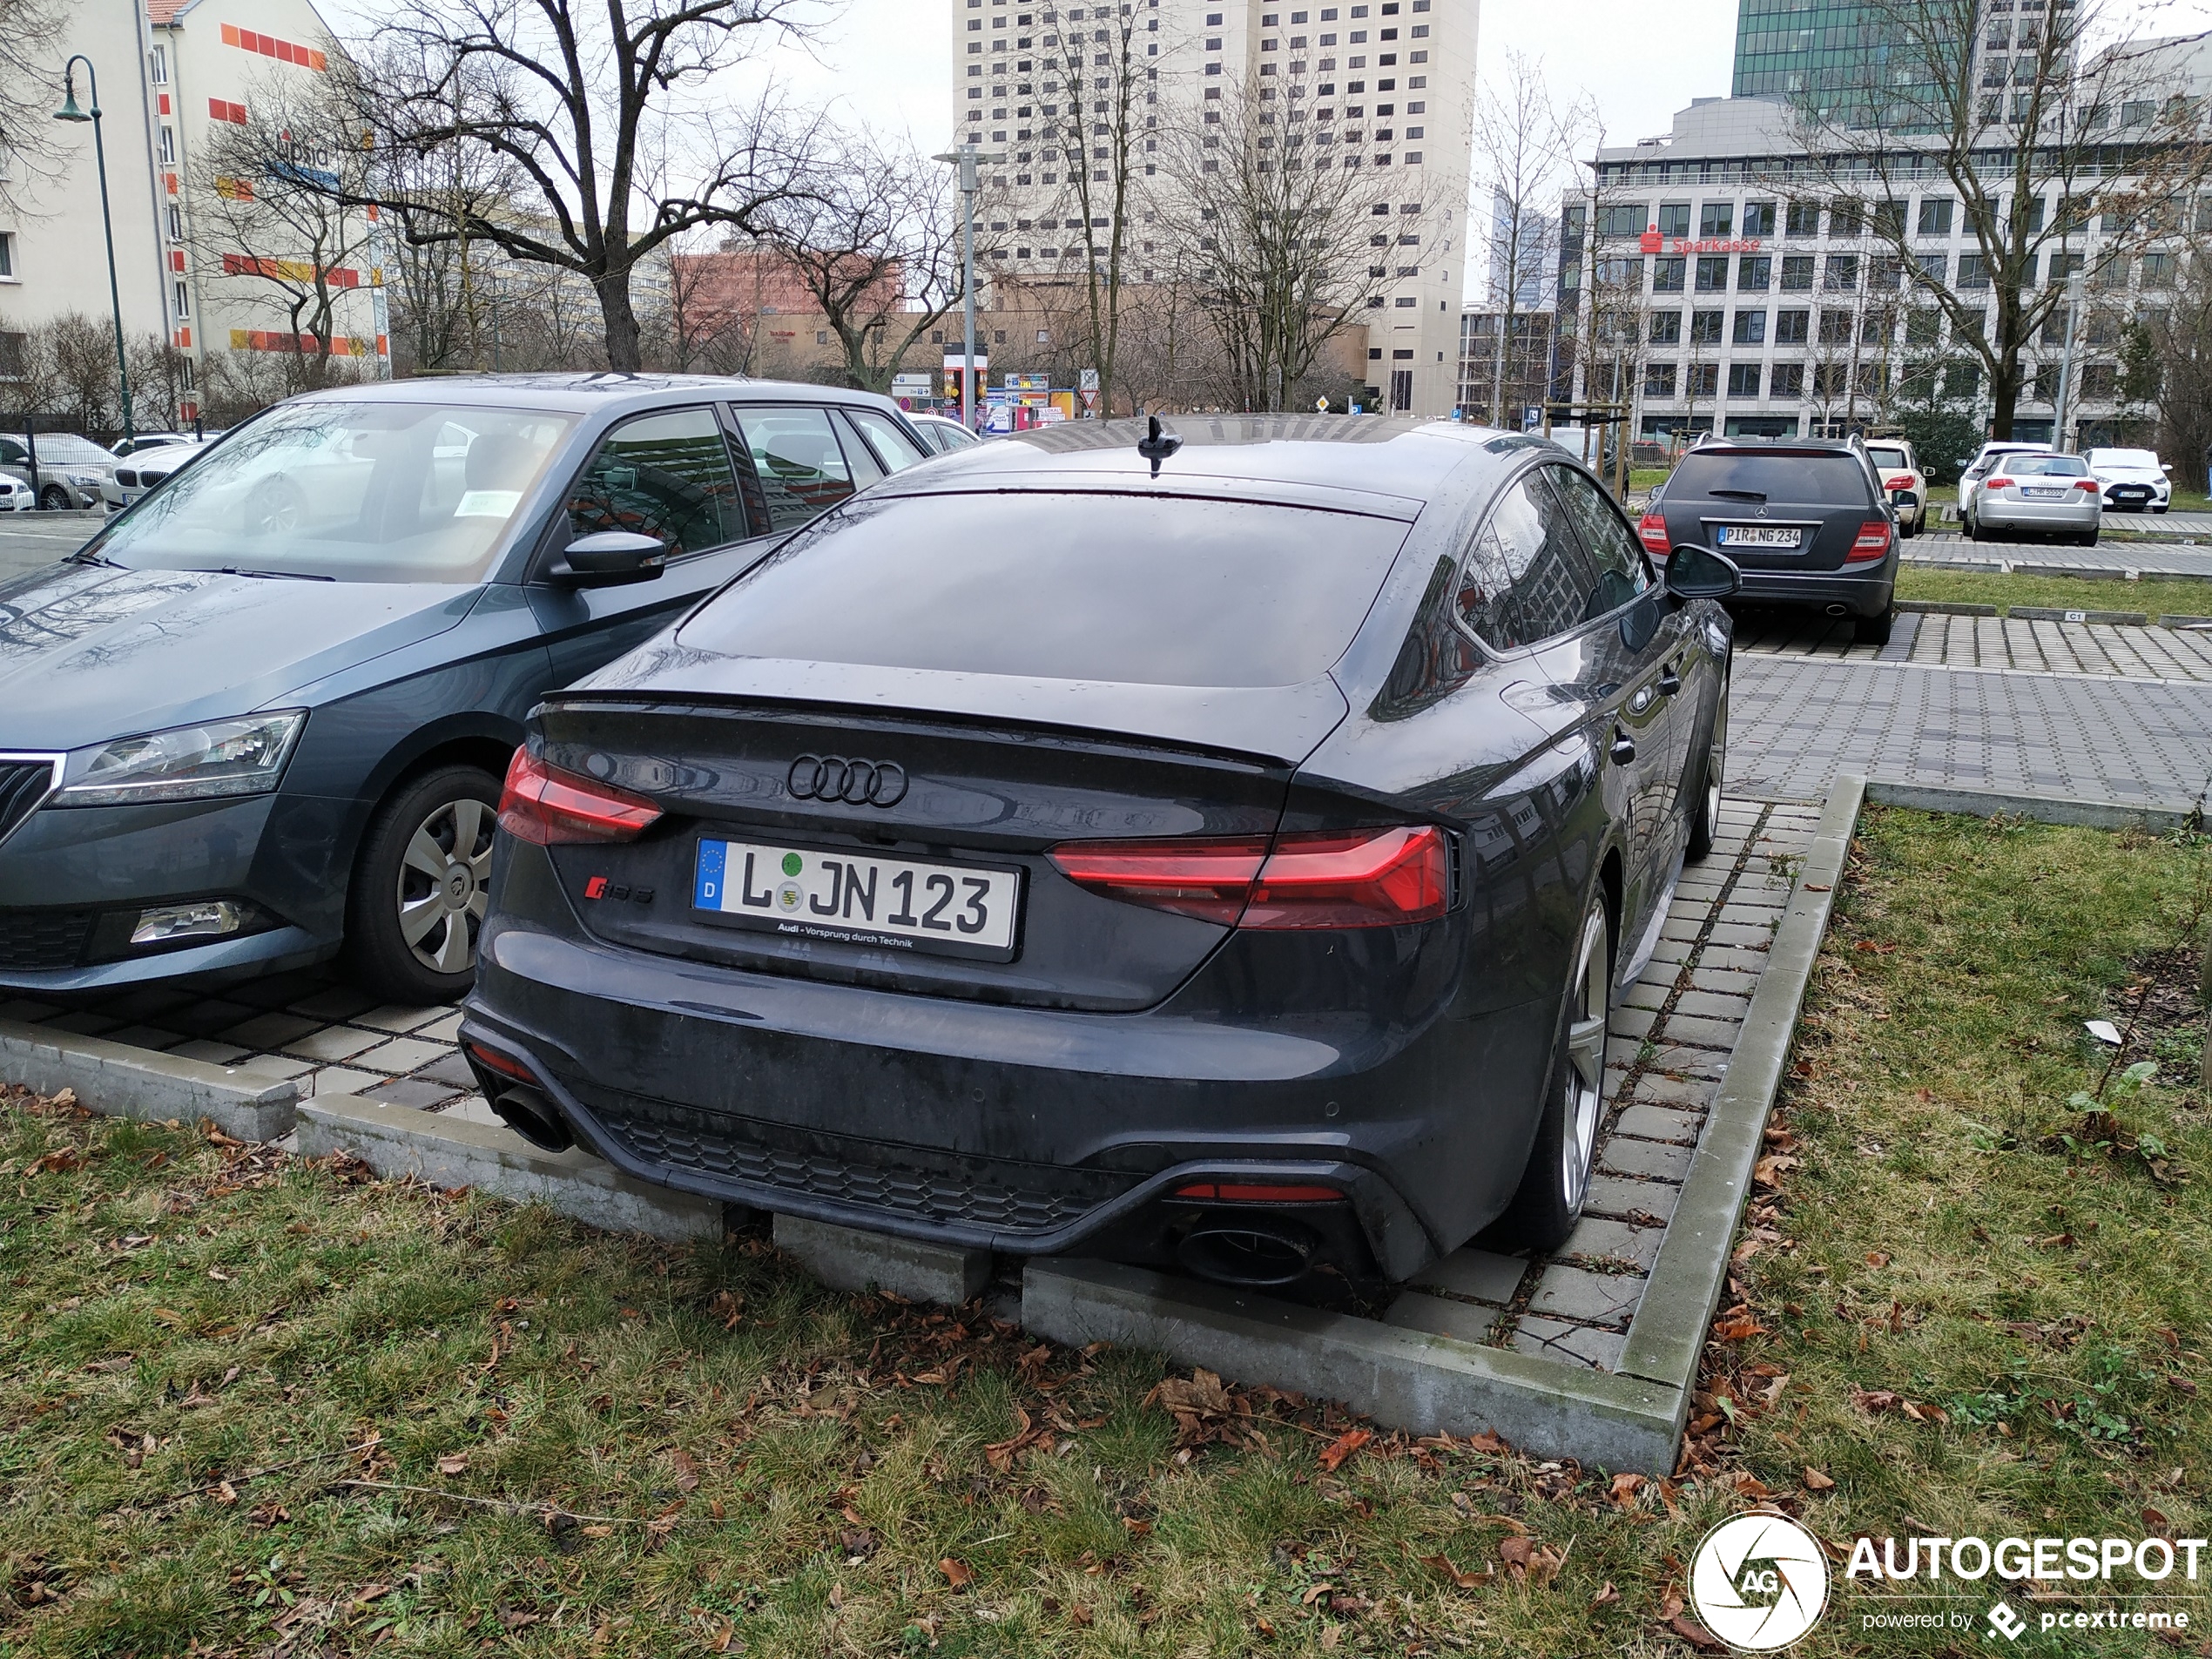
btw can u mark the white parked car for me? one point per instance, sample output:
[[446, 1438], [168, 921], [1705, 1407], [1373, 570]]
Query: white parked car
[[1902, 481], [2133, 481], [141, 470], [942, 435]]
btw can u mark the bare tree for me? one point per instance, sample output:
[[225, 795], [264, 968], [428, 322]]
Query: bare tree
[[30, 82], [270, 214], [602, 109], [876, 244], [2029, 145], [1277, 242], [1111, 102], [1518, 138]]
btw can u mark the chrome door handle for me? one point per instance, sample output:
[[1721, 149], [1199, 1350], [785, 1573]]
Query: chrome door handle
[[1624, 747], [1669, 681]]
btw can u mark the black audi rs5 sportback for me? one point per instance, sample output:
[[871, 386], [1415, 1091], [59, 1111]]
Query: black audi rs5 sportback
[[1219, 846]]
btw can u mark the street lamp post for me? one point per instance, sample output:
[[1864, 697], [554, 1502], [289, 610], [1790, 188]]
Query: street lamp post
[[967, 157], [69, 112]]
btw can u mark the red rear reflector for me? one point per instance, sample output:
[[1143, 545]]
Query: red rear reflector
[[1873, 542], [1651, 530], [555, 809], [1233, 1193], [500, 1063], [1335, 879]]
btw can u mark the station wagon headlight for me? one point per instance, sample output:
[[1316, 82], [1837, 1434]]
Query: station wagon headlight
[[204, 762]]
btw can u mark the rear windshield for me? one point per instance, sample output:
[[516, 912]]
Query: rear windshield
[[2046, 466], [1063, 586], [1800, 480], [1887, 457]]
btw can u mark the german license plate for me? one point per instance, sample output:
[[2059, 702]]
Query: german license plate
[[1757, 535], [2033, 493], [854, 898]]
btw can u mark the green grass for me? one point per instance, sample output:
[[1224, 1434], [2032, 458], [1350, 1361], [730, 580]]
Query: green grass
[[2151, 595], [1642, 478], [764, 1466]]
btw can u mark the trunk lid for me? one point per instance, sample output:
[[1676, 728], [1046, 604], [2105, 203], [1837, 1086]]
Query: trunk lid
[[1733, 500]]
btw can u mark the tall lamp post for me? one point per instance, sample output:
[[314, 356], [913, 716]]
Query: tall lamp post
[[967, 157], [69, 112]]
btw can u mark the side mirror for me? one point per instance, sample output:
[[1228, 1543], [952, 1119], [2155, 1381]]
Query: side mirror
[[2166, 469], [609, 559], [1694, 572]]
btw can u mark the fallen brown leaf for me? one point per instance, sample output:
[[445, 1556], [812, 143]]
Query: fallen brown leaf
[[1816, 1480], [687, 1473], [1344, 1446], [1465, 1581], [1696, 1634], [1606, 1596], [453, 1463], [958, 1574]]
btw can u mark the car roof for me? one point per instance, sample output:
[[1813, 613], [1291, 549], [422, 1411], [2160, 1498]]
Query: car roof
[[1369, 455], [579, 393]]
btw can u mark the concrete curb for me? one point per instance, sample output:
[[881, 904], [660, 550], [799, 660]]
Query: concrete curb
[[117, 1080], [2042, 809], [2047, 613], [1931, 607], [1406, 1378], [846, 1258], [1668, 1334], [453, 1152]]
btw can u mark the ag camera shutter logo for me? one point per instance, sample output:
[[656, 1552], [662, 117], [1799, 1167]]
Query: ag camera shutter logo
[[1759, 1582]]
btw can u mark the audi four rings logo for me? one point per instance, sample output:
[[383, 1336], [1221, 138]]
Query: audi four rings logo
[[873, 783]]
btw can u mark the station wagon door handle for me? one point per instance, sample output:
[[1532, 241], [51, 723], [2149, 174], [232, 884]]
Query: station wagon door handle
[[1624, 747], [1669, 681]]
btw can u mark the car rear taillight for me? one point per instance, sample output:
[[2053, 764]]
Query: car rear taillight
[[1651, 530], [2090, 484], [1335, 879], [1243, 1192], [1872, 541], [1903, 480], [556, 808], [1999, 483]]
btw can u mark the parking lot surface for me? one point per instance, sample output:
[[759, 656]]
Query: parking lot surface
[[29, 540]]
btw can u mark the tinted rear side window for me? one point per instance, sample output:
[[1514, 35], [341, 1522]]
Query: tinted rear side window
[[1064, 586], [1804, 481]]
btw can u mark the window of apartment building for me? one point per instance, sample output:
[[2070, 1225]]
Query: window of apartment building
[[1667, 275], [1874, 327], [1666, 327], [1750, 328], [1758, 219], [1872, 378], [1835, 327], [1742, 380], [184, 301], [1704, 380], [158, 66], [168, 146], [7, 255], [1845, 219], [1754, 274], [1627, 220], [1790, 326], [1705, 328], [1828, 380], [1718, 219], [1674, 218], [1935, 215], [1923, 326], [1886, 273], [1788, 379], [1841, 273], [2158, 270], [1963, 380], [1973, 270], [1712, 272], [1796, 272], [1889, 220], [1658, 380], [1935, 268], [1804, 218]]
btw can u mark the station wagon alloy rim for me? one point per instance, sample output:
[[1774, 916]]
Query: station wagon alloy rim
[[441, 885]]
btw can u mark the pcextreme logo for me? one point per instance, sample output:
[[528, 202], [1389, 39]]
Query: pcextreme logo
[[1759, 1582]]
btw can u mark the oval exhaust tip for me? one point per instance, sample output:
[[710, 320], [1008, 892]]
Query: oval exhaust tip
[[534, 1118], [1250, 1255]]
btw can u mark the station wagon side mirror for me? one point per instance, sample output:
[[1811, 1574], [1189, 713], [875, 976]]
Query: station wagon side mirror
[[2166, 469], [1694, 572], [609, 559]]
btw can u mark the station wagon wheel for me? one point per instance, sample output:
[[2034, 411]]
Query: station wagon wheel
[[418, 892], [1557, 1178]]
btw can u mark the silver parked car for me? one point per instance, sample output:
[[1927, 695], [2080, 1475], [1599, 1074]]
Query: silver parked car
[[2047, 495], [70, 468], [147, 466]]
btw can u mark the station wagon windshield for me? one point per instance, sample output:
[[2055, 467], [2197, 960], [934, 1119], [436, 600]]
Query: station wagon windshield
[[350, 492]]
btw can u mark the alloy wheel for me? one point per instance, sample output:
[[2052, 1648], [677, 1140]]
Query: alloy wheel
[[1589, 1001], [1717, 764], [441, 885]]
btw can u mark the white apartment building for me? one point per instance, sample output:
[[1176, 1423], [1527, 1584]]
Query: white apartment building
[[1385, 86], [1758, 316], [169, 71]]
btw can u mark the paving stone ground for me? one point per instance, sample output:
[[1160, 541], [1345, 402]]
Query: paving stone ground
[[2109, 651], [1671, 1037]]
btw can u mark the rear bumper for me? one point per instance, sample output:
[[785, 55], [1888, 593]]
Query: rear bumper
[[1862, 590], [2079, 513], [1029, 1131]]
